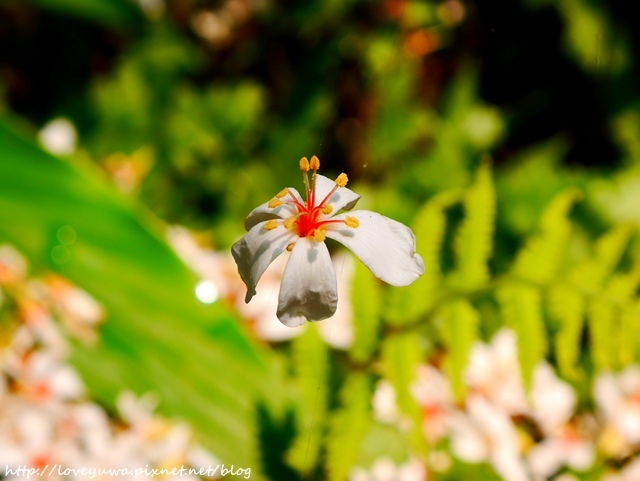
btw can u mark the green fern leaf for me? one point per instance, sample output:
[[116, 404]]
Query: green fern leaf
[[348, 426], [407, 304], [621, 290], [603, 320], [539, 260], [628, 340], [310, 361], [474, 240], [366, 301], [566, 307], [592, 274], [460, 330], [521, 307], [401, 354]]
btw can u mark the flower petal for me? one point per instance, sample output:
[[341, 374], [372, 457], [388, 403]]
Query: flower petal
[[309, 289], [386, 247], [342, 198], [256, 250], [263, 212]]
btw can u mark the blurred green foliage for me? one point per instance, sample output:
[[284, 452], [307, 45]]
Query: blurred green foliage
[[506, 135]]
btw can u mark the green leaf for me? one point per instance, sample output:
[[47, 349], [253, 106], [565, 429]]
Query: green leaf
[[603, 323], [592, 274], [157, 336], [629, 343], [406, 305], [309, 354], [621, 291], [521, 308], [473, 243], [366, 301], [349, 426], [567, 308], [460, 324], [401, 354], [540, 259]]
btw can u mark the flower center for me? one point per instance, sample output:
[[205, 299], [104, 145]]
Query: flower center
[[310, 220]]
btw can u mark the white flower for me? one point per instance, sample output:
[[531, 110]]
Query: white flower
[[432, 391], [553, 400], [287, 222], [384, 469], [565, 443], [618, 397], [487, 433], [494, 372]]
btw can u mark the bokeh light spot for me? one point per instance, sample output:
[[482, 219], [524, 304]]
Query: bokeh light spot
[[67, 235], [207, 292], [60, 254]]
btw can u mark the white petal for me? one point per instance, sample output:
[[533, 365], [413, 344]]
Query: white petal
[[309, 289], [386, 247], [342, 198], [256, 250], [264, 212]]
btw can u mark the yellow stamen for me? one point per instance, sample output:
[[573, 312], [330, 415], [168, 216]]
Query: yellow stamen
[[271, 224], [289, 222], [282, 193], [319, 235], [342, 180], [314, 163], [273, 203], [290, 247], [327, 209], [351, 222], [304, 164]]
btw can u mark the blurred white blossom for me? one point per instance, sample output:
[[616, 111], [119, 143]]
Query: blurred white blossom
[[59, 136], [384, 469]]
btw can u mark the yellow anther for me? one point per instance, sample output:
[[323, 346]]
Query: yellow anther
[[271, 224], [314, 163], [288, 223], [351, 222], [342, 180], [282, 193], [290, 247], [327, 209], [304, 164], [320, 235], [273, 203]]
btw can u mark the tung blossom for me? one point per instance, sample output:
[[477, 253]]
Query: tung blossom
[[287, 222]]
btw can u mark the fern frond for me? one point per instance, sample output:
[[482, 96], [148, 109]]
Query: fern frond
[[592, 274], [539, 260], [612, 315], [474, 239], [366, 301], [401, 354], [628, 340], [521, 307], [348, 426], [309, 359], [566, 307], [622, 287], [407, 304], [621, 290], [603, 320], [460, 330]]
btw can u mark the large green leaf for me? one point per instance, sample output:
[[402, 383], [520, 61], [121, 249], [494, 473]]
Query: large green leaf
[[157, 337]]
